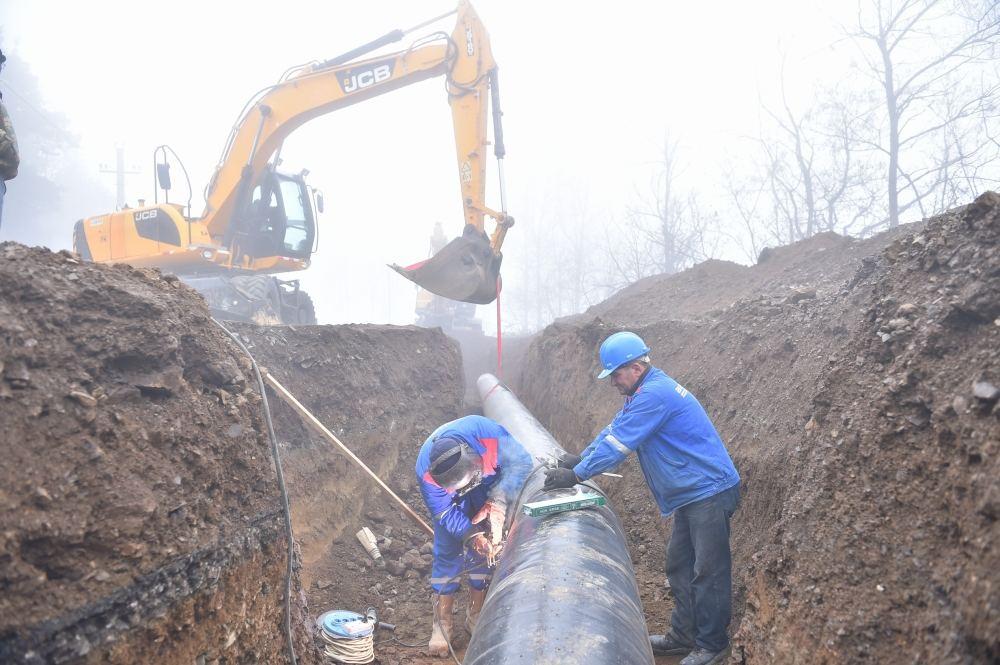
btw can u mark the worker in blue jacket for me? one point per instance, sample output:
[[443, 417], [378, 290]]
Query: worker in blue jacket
[[469, 471], [692, 477]]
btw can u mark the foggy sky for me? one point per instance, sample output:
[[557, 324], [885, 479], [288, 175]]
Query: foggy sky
[[589, 91]]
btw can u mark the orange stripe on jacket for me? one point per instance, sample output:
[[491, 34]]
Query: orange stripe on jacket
[[490, 456]]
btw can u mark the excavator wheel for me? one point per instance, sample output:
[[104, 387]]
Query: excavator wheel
[[263, 293], [297, 309]]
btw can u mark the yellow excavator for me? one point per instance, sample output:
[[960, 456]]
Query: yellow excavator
[[259, 222]]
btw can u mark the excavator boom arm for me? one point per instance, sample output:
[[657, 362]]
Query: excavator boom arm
[[464, 58]]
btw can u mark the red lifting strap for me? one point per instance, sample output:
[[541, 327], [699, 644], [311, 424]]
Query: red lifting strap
[[499, 333]]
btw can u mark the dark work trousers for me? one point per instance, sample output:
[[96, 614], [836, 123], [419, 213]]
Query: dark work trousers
[[699, 569]]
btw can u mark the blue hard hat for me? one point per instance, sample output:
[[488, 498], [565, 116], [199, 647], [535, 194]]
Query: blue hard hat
[[620, 348]]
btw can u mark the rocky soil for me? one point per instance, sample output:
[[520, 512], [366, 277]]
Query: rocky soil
[[381, 390], [139, 514], [856, 384]]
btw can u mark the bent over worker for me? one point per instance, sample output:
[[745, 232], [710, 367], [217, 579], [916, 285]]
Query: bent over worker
[[692, 477], [469, 470]]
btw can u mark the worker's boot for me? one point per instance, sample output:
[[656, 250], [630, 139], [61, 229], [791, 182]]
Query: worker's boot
[[441, 630], [476, 598]]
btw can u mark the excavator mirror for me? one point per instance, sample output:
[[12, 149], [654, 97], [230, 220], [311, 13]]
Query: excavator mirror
[[319, 201], [163, 175]]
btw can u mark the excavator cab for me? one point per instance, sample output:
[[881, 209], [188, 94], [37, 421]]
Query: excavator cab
[[279, 220]]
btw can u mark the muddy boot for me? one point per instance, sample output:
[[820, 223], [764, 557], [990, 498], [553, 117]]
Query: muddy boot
[[476, 599], [441, 630], [668, 645], [705, 657]]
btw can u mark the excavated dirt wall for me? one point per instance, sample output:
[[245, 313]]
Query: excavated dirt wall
[[141, 518], [139, 514], [855, 383], [381, 390]]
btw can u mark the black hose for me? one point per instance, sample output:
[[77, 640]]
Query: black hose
[[281, 487]]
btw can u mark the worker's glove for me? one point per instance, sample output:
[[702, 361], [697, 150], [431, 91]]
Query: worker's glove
[[495, 513], [569, 461], [559, 478], [480, 544]]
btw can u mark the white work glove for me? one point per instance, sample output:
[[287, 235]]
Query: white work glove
[[496, 514]]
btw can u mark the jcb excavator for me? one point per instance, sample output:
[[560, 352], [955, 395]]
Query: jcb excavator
[[258, 221]]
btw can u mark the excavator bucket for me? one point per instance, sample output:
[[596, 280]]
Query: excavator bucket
[[465, 269]]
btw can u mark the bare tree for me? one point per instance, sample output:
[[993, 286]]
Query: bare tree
[[748, 197], [54, 182], [630, 255], [806, 175], [666, 231], [794, 182], [558, 267], [920, 55]]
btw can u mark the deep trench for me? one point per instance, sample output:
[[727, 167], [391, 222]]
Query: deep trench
[[851, 380]]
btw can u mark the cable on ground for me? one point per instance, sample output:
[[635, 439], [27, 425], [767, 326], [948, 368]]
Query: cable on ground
[[447, 638], [401, 643], [352, 647], [281, 488], [358, 650]]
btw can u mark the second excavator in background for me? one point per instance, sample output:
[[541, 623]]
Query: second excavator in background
[[259, 222]]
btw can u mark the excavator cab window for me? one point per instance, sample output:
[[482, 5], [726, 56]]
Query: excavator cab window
[[298, 217], [281, 218], [266, 224]]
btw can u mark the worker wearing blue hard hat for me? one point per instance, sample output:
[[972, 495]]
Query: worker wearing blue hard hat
[[692, 477], [619, 349], [470, 470]]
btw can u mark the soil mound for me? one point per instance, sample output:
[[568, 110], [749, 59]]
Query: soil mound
[[139, 512], [140, 515], [822, 262], [856, 385]]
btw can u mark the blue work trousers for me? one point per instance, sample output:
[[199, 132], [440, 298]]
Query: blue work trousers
[[450, 559], [699, 569]]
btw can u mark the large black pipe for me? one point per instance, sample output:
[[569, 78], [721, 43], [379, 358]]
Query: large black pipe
[[564, 590]]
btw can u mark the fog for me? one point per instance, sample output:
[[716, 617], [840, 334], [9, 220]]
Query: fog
[[591, 91]]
